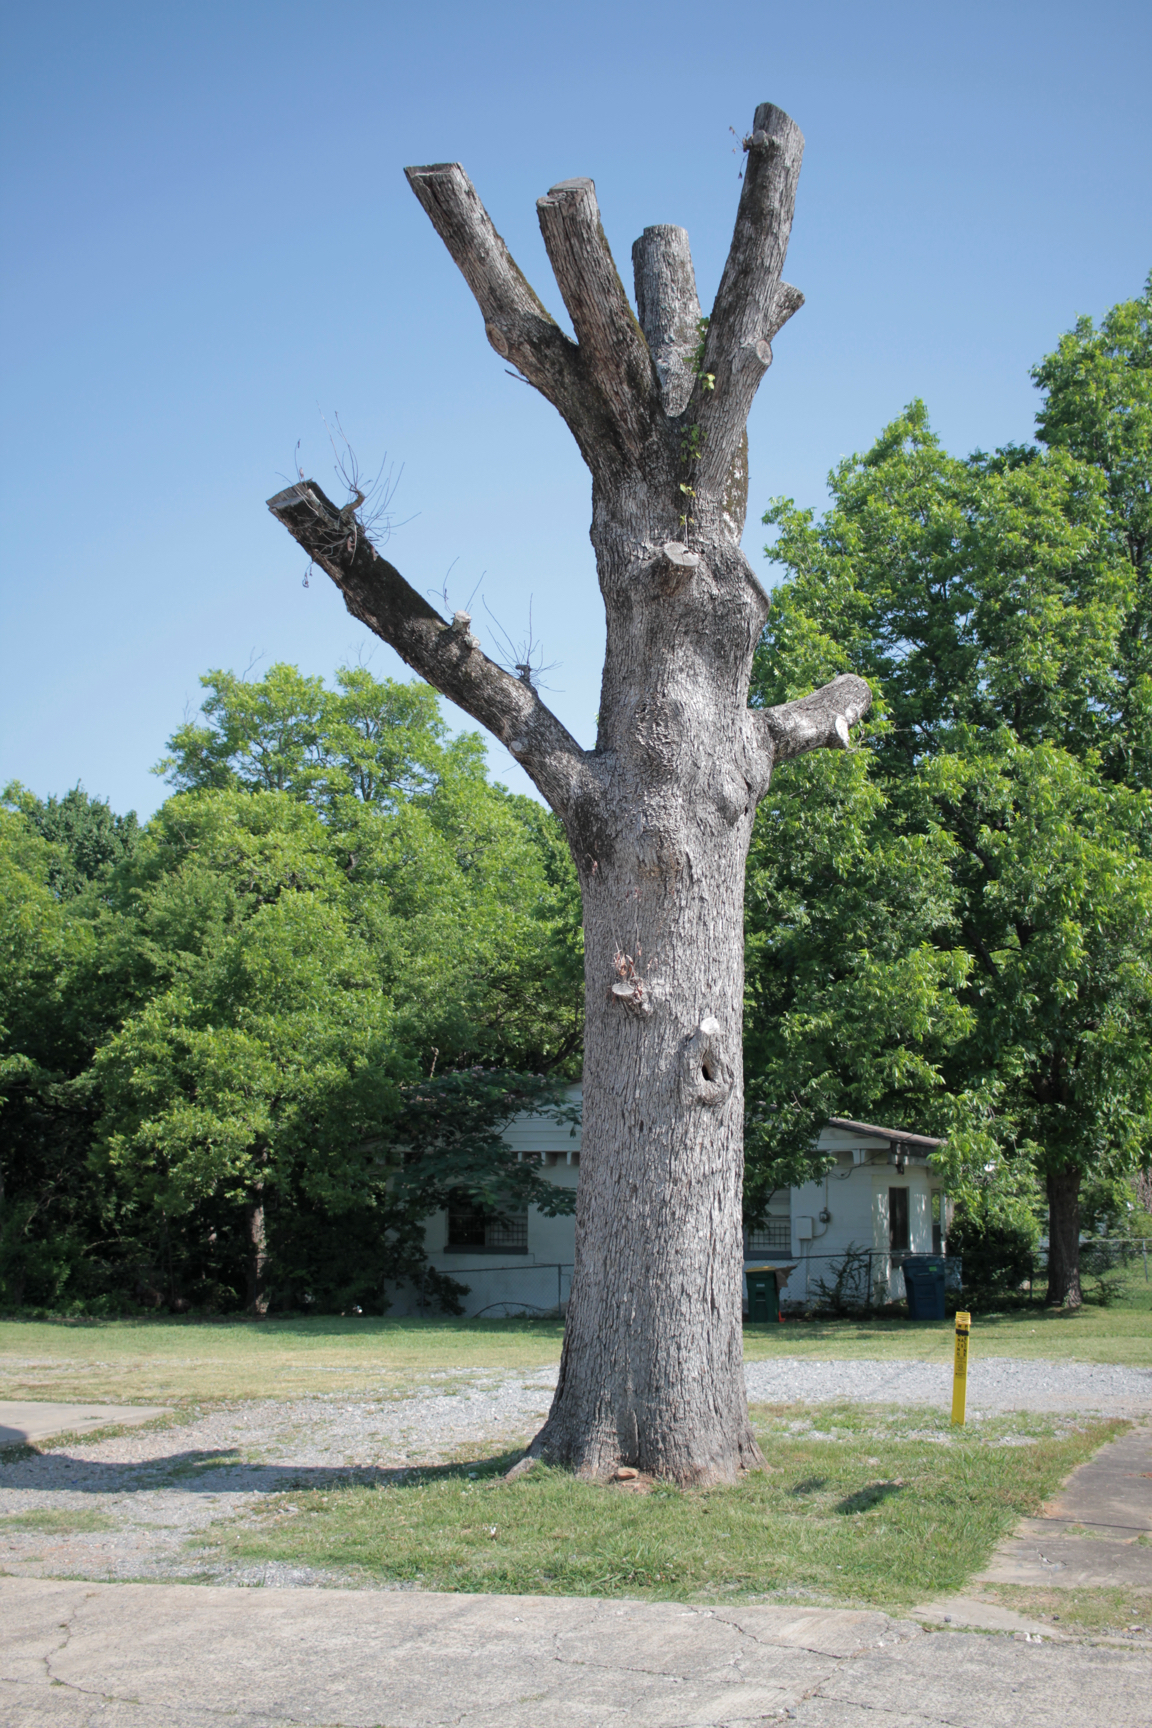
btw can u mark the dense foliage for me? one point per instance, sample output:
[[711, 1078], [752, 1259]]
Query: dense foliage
[[247, 1048], [950, 929]]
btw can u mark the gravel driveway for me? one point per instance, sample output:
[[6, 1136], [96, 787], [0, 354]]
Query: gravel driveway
[[144, 1492], [997, 1383]]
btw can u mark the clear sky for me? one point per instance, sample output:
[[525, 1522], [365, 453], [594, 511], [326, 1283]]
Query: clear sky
[[209, 243]]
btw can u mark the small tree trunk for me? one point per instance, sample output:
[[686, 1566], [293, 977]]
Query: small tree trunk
[[257, 1253], [1064, 1238]]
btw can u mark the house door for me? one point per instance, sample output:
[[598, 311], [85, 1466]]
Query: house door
[[898, 1221]]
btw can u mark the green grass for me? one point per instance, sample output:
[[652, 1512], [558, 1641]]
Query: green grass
[[49, 1522], [165, 1361], [1120, 1334], [874, 1506], [181, 1361], [1102, 1611]]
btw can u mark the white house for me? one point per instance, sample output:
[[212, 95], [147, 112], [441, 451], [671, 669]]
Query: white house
[[880, 1200]]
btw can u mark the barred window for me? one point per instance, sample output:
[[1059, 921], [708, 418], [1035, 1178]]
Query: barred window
[[773, 1236], [470, 1226]]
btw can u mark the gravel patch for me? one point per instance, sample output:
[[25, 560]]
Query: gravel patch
[[157, 1488], [998, 1383]]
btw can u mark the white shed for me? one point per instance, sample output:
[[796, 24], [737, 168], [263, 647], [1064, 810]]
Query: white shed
[[881, 1200]]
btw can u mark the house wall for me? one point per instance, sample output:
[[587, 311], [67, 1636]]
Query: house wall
[[538, 1279], [854, 1194]]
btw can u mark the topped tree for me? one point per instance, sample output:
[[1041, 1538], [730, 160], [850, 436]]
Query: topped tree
[[659, 815]]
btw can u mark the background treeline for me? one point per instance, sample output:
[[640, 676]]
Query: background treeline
[[951, 927], [248, 1046]]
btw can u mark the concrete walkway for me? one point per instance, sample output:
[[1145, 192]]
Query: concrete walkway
[[74, 1655], [25, 1424], [1092, 1535]]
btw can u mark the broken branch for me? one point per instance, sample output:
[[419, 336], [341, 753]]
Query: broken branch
[[444, 654]]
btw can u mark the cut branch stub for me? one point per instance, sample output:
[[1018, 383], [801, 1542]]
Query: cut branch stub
[[447, 655], [821, 721], [669, 309], [612, 346], [675, 567]]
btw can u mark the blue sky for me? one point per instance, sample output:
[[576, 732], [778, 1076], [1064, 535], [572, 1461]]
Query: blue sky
[[210, 243]]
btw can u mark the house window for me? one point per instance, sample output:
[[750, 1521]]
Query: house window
[[937, 1221], [773, 1236], [472, 1229], [898, 1220]]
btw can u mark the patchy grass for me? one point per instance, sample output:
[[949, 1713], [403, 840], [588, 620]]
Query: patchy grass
[[48, 1521], [167, 1361], [181, 1361], [874, 1506], [1105, 1611]]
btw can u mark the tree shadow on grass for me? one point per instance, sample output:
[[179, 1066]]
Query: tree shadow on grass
[[874, 1495]]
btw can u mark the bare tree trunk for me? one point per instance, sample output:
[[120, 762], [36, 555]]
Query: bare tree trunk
[[1064, 1237], [257, 1253], [1143, 1189], [659, 815]]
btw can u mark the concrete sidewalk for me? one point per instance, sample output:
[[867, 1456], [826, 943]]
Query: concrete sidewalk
[[1091, 1536], [74, 1655], [23, 1424]]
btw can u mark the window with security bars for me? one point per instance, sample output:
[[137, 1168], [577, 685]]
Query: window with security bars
[[470, 1227], [773, 1236]]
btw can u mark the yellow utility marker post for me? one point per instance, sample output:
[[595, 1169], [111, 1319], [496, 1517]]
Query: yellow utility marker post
[[960, 1368]]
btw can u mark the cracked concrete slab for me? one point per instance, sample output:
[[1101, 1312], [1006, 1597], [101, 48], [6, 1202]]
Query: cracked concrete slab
[[1050, 1562], [23, 1424], [75, 1654], [965, 1680]]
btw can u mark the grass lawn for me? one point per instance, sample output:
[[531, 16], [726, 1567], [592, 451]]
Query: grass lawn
[[1095, 1611], [874, 1506], [1120, 1334], [176, 1361]]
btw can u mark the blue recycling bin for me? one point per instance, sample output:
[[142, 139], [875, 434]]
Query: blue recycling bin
[[924, 1284]]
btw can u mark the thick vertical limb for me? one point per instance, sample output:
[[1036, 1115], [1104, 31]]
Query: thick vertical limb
[[752, 302], [612, 346], [669, 309]]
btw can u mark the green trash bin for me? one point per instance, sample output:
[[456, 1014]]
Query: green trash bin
[[763, 1293]]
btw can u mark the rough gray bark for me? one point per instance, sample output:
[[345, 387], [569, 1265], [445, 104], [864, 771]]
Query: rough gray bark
[[660, 814]]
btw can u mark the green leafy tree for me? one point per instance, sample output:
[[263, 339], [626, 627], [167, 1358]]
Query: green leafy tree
[[265, 1073], [468, 894], [1097, 406], [90, 839], [995, 604], [49, 1023], [371, 739]]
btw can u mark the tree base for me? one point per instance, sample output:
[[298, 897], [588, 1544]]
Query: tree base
[[590, 1461]]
